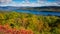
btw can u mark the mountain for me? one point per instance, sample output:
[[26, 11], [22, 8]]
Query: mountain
[[8, 8], [43, 8], [49, 8]]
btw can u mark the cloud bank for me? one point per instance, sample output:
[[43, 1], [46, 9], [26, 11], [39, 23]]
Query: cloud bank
[[5, 1], [23, 3]]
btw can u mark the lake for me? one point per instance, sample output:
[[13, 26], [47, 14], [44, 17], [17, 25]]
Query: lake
[[45, 13]]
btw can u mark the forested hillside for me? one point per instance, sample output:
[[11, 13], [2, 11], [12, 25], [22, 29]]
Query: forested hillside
[[22, 23]]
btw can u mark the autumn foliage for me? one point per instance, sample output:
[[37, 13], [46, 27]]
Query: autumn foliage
[[5, 30], [22, 23]]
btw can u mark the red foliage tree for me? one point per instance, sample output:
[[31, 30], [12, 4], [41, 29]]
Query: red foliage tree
[[4, 30]]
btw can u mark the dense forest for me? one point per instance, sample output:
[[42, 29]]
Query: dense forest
[[23, 23]]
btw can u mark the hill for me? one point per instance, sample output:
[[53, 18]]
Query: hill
[[43, 8]]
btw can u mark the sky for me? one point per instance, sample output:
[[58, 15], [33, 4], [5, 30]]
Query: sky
[[32, 3]]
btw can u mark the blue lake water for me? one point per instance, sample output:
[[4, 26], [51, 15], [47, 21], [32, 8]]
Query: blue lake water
[[46, 13]]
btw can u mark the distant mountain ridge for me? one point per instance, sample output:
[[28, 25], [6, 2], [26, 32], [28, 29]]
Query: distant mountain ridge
[[8, 8], [45, 8]]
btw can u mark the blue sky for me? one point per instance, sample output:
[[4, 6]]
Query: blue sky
[[30, 3], [34, 0], [24, 0]]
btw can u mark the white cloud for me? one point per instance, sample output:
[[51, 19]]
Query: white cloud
[[23, 3], [5, 1]]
